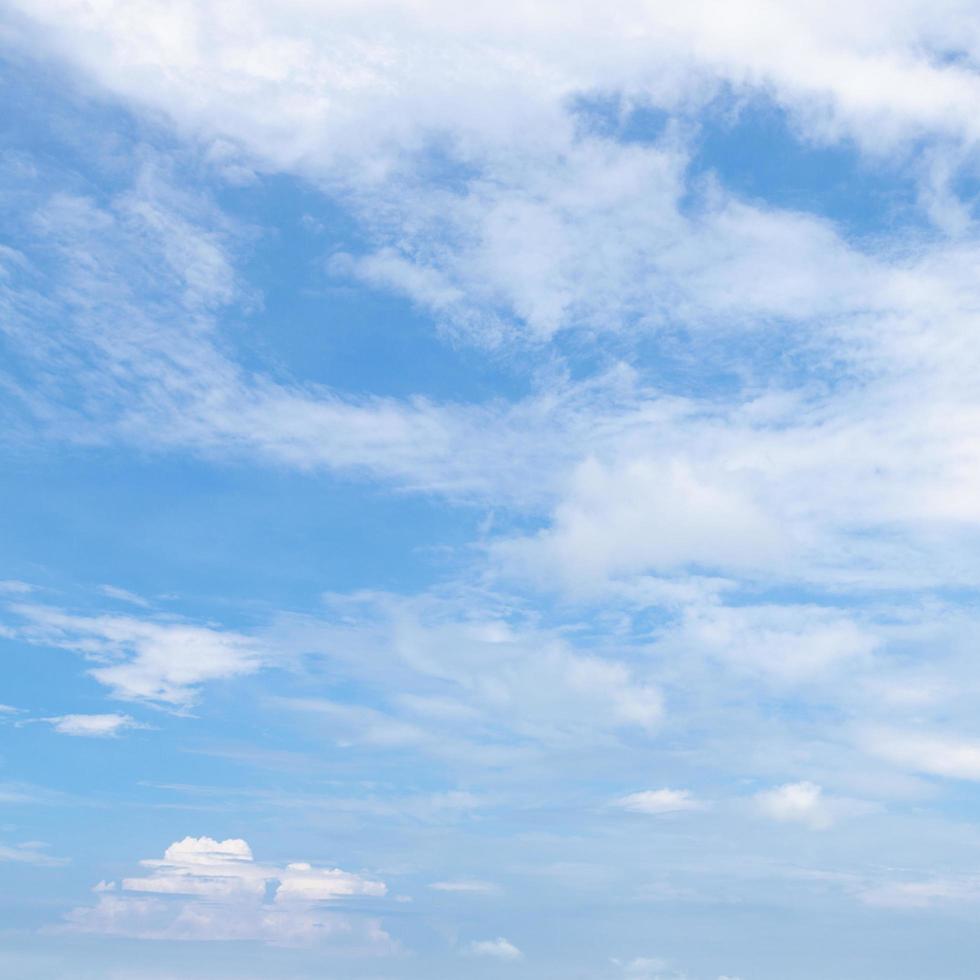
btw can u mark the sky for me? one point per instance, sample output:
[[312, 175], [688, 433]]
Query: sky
[[489, 490]]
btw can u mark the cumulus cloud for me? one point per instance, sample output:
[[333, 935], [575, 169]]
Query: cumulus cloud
[[499, 948], [214, 890]]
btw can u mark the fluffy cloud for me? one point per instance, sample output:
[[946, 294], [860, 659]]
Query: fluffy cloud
[[214, 890], [869, 473], [314, 86], [499, 948]]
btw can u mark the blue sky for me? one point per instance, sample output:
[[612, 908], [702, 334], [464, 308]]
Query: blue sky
[[489, 490]]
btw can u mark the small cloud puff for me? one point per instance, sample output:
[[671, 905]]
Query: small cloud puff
[[499, 948], [806, 803]]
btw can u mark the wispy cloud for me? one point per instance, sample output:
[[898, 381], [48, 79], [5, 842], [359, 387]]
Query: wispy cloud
[[143, 659], [92, 726]]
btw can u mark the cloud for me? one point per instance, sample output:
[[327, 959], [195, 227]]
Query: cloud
[[123, 595], [786, 643], [311, 88], [499, 948], [807, 804], [645, 516], [935, 754], [145, 660], [92, 726], [30, 852], [468, 668], [204, 889], [620, 478], [925, 893], [658, 801]]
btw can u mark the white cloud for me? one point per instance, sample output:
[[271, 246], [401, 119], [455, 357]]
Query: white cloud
[[785, 643], [214, 890], [658, 801], [497, 678], [872, 476], [312, 87], [807, 804], [30, 852], [925, 893], [644, 516], [92, 726], [123, 595], [145, 660], [934, 754], [499, 948], [202, 866]]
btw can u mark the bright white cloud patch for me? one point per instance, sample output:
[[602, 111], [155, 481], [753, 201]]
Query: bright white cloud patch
[[146, 660], [935, 754], [806, 803], [92, 726], [499, 948], [205, 889]]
